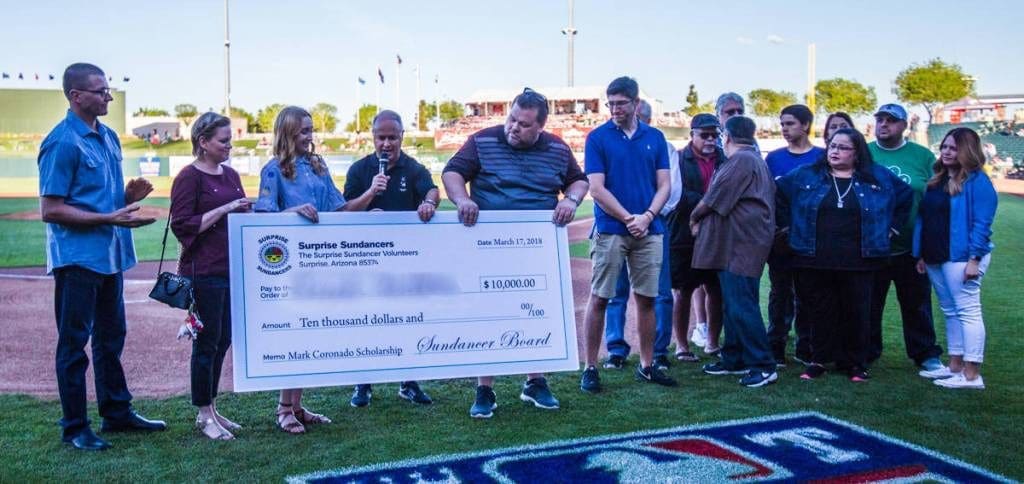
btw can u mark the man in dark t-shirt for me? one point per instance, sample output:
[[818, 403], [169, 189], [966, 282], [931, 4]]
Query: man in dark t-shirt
[[517, 166], [403, 185]]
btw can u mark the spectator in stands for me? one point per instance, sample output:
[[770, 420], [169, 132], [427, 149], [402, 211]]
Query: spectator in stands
[[840, 213], [913, 164], [836, 121], [953, 240], [627, 164], [366, 188], [615, 315], [783, 303], [297, 180], [734, 226], [521, 142], [202, 196], [89, 213], [690, 176]]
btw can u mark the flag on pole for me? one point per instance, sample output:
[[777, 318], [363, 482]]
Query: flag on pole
[[37, 76], [399, 59], [7, 76], [435, 78], [21, 77], [51, 76], [362, 81], [126, 78], [380, 74]]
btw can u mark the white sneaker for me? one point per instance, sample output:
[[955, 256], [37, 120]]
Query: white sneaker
[[959, 381], [700, 335], [938, 373]]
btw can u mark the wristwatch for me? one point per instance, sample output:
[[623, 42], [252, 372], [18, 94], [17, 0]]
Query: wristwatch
[[976, 258], [427, 200], [574, 198]]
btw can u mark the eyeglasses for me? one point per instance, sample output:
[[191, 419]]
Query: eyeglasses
[[835, 146], [734, 112], [99, 92], [707, 135], [618, 104]]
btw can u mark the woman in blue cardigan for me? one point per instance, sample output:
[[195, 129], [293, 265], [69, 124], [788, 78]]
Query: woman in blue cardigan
[[952, 239]]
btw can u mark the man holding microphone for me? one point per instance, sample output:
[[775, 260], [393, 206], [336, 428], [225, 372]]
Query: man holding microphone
[[390, 180]]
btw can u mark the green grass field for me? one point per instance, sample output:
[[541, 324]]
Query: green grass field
[[981, 427]]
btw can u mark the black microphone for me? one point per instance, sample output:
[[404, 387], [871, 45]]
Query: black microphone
[[382, 167]]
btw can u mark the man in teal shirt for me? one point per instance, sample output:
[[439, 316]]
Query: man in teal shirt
[[913, 164]]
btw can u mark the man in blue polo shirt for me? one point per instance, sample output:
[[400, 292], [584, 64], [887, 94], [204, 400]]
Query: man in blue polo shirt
[[627, 165], [89, 212]]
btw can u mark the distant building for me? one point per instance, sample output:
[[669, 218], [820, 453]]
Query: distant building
[[34, 112]]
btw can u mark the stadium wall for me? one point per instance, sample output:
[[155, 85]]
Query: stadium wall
[[34, 112]]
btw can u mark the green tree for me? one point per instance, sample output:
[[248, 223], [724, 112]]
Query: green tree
[[933, 83], [250, 120], [692, 102], [845, 95], [186, 113], [768, 102], [265, 117], [366, 113], [143, 111], [325, 117], [452, 110], [427, 113]]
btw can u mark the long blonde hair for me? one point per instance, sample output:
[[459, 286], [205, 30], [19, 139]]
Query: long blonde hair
[[286, 127], [969, 156]]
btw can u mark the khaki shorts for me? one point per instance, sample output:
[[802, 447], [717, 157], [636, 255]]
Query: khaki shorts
[[642, 258]]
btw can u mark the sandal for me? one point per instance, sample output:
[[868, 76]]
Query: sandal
[[212, 430], [286, 420], [308, 418], [227, 424], [687, 356]]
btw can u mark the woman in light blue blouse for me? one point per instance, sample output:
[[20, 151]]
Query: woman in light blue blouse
[[296, 180]]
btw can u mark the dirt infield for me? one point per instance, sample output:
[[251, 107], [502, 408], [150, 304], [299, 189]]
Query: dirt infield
[[155, 363]]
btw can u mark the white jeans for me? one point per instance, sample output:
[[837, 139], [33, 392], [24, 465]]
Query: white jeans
[[960, 301]]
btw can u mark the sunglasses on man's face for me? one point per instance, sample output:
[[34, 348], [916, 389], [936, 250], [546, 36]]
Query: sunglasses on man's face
[[734, 112], [707, 135]]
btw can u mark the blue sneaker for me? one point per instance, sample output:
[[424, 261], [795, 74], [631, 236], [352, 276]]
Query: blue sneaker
[[410, 391], [536, 391], [361, 396], [758, 378], [590, 381], [718, 368], [485, 403]]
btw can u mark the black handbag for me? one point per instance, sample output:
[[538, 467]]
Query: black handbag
[[171, 289]]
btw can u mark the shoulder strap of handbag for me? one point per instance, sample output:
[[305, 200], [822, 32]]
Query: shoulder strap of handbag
[[163, 245]]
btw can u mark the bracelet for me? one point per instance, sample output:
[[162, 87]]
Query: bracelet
[[429, 202], [653, 216]]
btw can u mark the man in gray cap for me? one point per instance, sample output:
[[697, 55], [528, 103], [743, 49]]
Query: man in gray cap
[[690, 178], [913, 164]]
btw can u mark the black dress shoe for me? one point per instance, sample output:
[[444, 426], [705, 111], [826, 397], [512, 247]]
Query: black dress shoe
[[132, 423], [87, 440]]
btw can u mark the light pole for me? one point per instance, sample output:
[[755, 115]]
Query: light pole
[[227, 64], [570, 32]]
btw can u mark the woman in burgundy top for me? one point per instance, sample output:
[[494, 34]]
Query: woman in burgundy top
[[201, 197]]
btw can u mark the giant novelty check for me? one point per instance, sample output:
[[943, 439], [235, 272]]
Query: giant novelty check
[[382, 297]]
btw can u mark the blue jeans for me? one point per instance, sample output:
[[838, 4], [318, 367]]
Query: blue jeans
[[746, 341], [615, 315], [89, 305]]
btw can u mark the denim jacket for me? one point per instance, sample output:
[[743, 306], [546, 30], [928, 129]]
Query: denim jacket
[[970, 220], [884, 207]]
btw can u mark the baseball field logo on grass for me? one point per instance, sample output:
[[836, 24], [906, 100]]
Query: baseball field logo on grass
[[797, 447], [273, 255]]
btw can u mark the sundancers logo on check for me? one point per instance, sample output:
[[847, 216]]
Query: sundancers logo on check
[[273, 255]]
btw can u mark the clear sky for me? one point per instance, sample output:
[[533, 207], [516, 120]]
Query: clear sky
[[308, 51]]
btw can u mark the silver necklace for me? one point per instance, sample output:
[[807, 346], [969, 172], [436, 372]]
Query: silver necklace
[[839, 204]]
